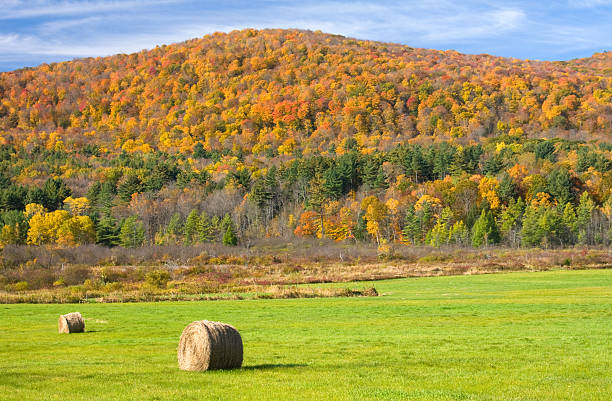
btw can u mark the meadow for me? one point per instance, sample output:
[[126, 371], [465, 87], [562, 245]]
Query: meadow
[[513, 336]]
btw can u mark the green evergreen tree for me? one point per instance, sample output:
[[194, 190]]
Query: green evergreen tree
[[175, 225], [425, 218], [199, 152], [485, 230], [317, 199], [131, 185], [191, 228], [560, 185], [531, 232], [107, 232], [440, 233], [418, 166], [380, 183], [507, 190], [55, 191], [229, 238], [459, 233], [551, 226], [584, 215], [412, 229], [370, 172], [348, 170], [545, 150], [226, 222], [360, 232], [206, 230], [132, 233], [333, 184], [570, 225], [510, 221]]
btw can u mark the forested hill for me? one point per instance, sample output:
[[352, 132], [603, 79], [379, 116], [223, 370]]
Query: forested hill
[[282, 133], [277, 91]]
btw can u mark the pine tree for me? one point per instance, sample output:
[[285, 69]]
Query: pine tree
[[226, 222], [333, 184], [531, 232], [560, 185], [459, 233], [348, 170], [584, 214], [551, 225], [229, 238], [360, 231], [412, 229], [440, 233], [570, 226], [370, 172], [507, 190], [317, 199], [206, 230], [380, 183], [132, 233], [425, 218], [131, 185], [510, 220], [485, 230], [190, 230], [107, 232], [55, 191]]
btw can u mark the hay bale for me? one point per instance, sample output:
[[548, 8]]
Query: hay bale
[[209, 345], [71, 323]]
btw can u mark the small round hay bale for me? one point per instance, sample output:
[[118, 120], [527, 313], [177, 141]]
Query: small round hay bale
[[71, 323], [209, 345]]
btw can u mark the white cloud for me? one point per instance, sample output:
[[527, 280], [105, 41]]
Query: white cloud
[[52, 27], [70, 29], [14, 9]]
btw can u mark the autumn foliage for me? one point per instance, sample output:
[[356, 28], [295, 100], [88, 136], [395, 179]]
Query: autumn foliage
[[281, 133]]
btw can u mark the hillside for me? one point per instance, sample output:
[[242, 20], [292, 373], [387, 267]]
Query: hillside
[[276, 91], [282, 133]]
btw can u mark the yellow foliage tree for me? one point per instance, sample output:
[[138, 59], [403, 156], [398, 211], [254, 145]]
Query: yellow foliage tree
[[44, 227], [434, 202], [77, 206], [61, 228], [75, 231], [375, 213], [488, 190], [32, 209]]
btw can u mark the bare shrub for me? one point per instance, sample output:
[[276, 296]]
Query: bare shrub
[[75, 274], [222, 201]]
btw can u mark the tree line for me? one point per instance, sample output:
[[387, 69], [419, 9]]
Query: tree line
[[509, 191]]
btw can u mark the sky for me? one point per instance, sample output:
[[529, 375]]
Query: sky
[[43, 31]]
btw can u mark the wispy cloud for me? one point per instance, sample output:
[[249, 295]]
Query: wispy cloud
[[15, 9], [43, 29]]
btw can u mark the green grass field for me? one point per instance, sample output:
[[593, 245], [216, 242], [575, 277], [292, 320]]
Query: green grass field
[[519, 336]]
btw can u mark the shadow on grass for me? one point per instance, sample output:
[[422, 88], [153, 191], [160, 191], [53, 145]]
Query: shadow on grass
[[270, 366]]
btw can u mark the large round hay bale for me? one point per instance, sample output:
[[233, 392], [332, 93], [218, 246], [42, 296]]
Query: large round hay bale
[[71, 323], [209, 345]]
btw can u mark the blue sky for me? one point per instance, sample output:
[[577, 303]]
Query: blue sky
[[37, 31]]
